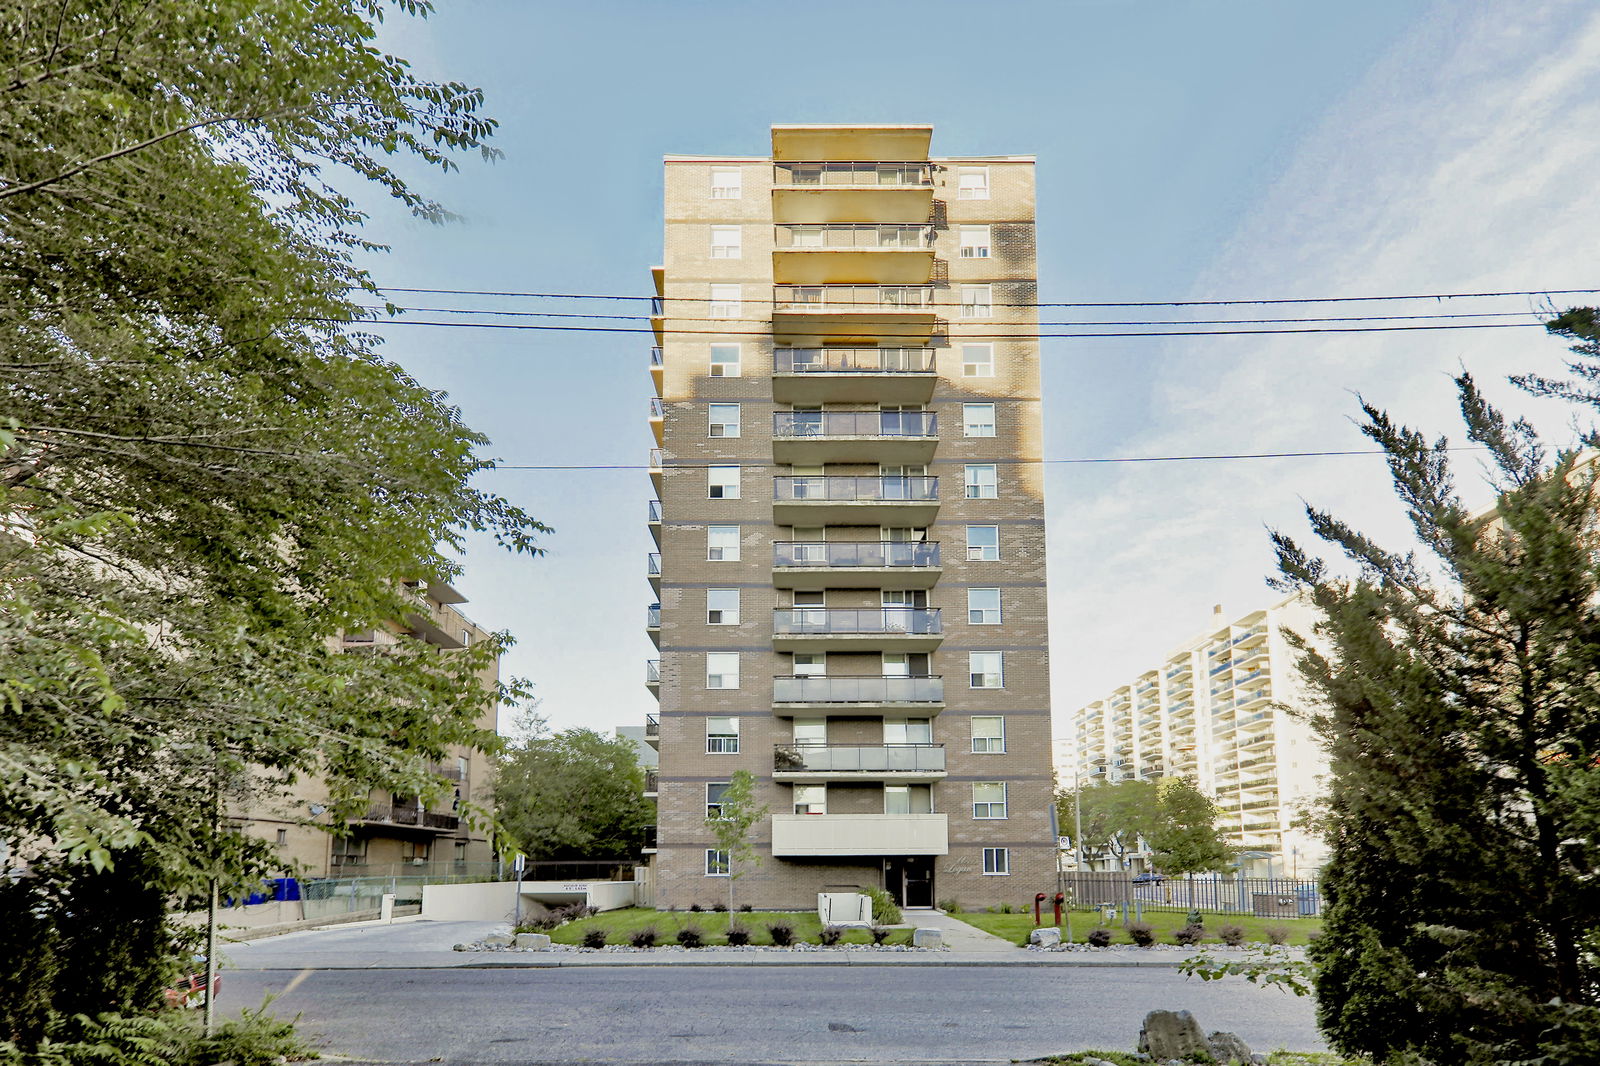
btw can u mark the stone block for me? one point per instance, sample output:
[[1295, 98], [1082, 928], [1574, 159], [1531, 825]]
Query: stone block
[[1169, 1034], [927, 938], [533, 941], [1227, 1048], [498, 940], [1045, 938]]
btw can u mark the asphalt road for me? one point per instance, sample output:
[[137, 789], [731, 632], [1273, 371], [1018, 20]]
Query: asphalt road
[[946, 1014]]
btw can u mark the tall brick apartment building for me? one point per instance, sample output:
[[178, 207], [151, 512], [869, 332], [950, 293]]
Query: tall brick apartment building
[[850, 518]]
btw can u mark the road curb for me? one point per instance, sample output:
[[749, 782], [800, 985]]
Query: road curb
[[662, 964]]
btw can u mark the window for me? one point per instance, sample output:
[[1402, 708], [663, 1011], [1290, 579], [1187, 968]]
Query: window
[[972, 183], [810, 732], [725, 242], [985, 668], [810, 664], [716, 863], [983, 544], [988, 799], [714, 793], [727, 183], [977, 360], [722, 544], [725, 419], [724, 360], [722, 669], [982, 482], [349, 851], [722, 736], [983, 607], [811, 799], [722, 482], [283, 837], [727, 301], [974, 242], [907, 799], [722, 607], [414, 851], [908, 731], [988, 735], [997, 861], [977, 301], [977, 419]]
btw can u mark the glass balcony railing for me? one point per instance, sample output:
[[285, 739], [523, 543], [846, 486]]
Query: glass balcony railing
[[655, 458], [652, 726], [655, 511], [653, 616], [852, 297], [653, 564], [845, 489], [657, 408], [858, 690], [824, 424], [849, 758], [868, 235], [656, 358], [652, 781], [866, 553], [652, 674], [914, 175], [822, 621], [853, 361]]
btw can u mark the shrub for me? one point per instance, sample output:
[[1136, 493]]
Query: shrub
[[1277, 934], [879, 934], [1194, 919], [884, 909], [738, 936], [720, 908], [696, 908], [1189, 935], [1005, 908], [745, 908], [782, 933], [691, 937], [1141, 934], [594, 938], [643, 938], [950, 906], [830, 935], [1100, 938], [1231, 935]]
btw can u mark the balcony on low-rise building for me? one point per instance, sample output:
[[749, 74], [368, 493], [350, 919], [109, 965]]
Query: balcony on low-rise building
[[857, 762], [893, 436], [824, 835], [856, 629], [842, 500], [853, 375], [853, 696], [855, 564], [410, 817]]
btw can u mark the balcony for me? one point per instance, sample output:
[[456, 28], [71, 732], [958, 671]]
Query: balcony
[[652, 675], [823, 835], [850, 762], [857, 191], [853, 375], [652, 784], [650, 840], [652, 570], [816, 437], [851, 629], [851, 310], [652, 731], [814, 696], [654, 521], [855, 564], [658, 369], [656, 464], [652, 623], [658, 419], [890, 253], [410, 818], [901, 502]]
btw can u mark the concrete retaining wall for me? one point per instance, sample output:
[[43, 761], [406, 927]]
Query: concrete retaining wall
[[494, 901]]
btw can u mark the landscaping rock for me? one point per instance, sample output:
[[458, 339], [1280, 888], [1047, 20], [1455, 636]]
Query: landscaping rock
[[533, 941], [927, 938], [1169, 1034], [459, 947], [1228, 1048], [499, 940], [1045, 938]]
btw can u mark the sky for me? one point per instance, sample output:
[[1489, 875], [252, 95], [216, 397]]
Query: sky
[[1186, 151]]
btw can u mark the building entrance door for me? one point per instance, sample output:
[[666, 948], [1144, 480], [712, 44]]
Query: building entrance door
[[910, 880]]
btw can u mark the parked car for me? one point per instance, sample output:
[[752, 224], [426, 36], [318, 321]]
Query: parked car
[[1149, 879]]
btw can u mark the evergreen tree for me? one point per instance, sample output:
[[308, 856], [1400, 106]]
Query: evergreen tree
[[1460, 704]]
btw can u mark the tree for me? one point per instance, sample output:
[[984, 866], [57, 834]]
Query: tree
[[572, 795], [1115, 816], [1461, 708], [1185, 838], [738, 812], [205, 471]]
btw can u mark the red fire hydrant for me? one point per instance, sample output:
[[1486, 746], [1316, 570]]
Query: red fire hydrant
[[1060, 899], [1038, 899]]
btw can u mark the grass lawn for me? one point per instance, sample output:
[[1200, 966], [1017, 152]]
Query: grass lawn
[[1016, 927], [1276, 1058], [620, 924]]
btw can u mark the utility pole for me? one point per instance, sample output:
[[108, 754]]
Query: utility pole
[[211, 908]]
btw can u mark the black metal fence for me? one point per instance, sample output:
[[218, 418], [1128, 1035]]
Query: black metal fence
[[1263, 897]]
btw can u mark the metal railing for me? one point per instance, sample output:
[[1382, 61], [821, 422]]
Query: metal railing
[[874, 235], [652, 781], [1210, 894], [655, 459], [852, 758], [652, 725], [845, 489], [656, 357], [653, 563], [853, 360], [417, 816], [823, 621], [914, 174], [863, 553], [657, 409], [851, 297], [652, 676], [790, 424], [652, 617], [655, 511], [649, 836], [858, 689]]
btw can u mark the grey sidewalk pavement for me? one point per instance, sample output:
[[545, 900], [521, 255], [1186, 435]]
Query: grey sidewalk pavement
[[414, 943]]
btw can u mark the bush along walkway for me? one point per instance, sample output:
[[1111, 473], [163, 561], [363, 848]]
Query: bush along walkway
[[636, 929]]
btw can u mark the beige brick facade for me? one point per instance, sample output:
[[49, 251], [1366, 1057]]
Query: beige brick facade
[[850, 247]]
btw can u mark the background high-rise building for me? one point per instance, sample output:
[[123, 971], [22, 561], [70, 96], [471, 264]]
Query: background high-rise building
[[1214, 711], [850, 514]]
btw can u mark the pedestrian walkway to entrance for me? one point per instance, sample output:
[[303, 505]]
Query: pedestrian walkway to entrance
[[958, 935]]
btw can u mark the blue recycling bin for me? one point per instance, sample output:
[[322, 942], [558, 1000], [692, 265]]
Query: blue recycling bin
[[285, 889], [1309, 903]]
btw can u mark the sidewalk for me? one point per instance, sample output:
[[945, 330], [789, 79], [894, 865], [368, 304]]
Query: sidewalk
[[418, 944]]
